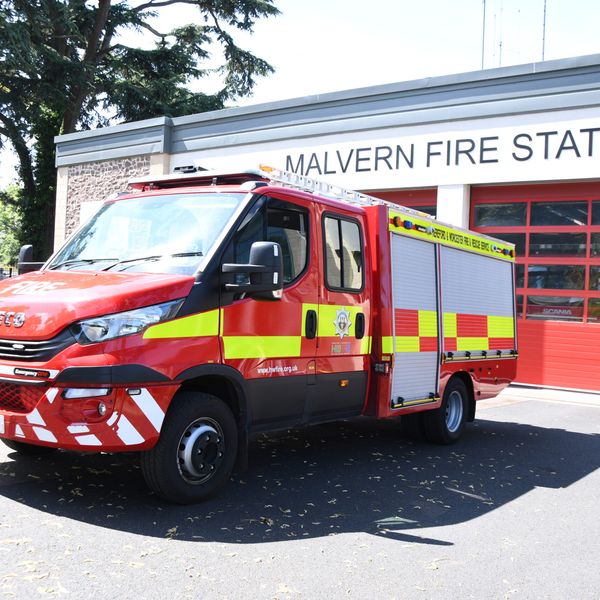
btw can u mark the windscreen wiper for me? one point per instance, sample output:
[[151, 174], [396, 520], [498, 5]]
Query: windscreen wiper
[[177, 254], [152, 257], [79, 261]]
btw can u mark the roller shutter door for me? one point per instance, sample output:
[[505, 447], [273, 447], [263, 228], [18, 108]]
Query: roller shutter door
[[477, 304], [414, 295]]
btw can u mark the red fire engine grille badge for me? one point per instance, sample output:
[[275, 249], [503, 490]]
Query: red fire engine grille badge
[[342, 323]]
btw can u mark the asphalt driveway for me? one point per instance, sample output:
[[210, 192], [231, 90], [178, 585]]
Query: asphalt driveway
[[358, 509]]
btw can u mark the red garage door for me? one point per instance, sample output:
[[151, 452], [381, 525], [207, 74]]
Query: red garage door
[[556, 229]]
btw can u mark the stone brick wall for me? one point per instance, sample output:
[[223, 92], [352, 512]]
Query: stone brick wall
[[91, 182]]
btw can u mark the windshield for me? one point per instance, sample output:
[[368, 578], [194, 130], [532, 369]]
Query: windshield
[[156, 234]]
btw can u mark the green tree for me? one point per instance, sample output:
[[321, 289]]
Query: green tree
[[10, 224], [64, 66]]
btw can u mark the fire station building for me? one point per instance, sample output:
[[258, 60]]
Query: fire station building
[[511, 152]]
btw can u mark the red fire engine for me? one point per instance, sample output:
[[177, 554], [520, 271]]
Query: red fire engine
[[203, 308]]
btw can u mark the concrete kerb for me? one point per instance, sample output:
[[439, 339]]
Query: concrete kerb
[[525, 392]]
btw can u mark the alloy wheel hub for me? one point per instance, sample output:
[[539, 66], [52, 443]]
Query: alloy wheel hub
[[201, 451]]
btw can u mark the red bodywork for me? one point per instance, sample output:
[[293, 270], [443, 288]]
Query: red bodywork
[[32, 406], [487, 377]]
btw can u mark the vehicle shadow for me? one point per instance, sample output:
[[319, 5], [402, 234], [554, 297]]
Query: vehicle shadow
[[358, 475]]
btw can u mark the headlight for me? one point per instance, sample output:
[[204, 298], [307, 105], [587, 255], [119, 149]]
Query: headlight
[[101, 329]]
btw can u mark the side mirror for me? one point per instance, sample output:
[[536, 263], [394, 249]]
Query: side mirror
[[265, 270], [26, 264]]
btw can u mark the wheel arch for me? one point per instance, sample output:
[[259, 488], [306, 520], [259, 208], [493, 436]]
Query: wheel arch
[[228, 385], [468, 381]]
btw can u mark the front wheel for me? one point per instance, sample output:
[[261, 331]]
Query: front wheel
[[196, 452], [445, 424]]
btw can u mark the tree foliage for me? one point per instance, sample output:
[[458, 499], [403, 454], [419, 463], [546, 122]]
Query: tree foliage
[[10, 223], [64, 65]]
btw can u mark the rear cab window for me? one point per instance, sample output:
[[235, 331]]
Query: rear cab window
[[344, 256]]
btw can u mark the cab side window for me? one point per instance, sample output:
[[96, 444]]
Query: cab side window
[[276, 221], [343, 254]]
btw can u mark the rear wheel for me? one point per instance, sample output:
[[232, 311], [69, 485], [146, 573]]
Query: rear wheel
[[445, 424], [412, 426], [196, 452], [28, 449]]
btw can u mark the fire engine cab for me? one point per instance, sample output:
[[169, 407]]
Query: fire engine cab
[[203, 308]]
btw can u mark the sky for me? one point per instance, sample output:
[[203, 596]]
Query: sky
[[320, 46]]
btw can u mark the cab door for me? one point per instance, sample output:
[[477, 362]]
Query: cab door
[[272, 343], [344, 336]]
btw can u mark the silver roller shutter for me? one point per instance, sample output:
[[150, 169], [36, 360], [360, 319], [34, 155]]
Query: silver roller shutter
[[414, 288]]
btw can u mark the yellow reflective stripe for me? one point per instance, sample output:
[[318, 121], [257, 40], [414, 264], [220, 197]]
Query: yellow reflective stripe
[[327, 317], [200, 325], [501, 327], [261, 346], [472, 343], [432, 231], [420, 401], [365, 345], [387, 344], [428, 326], [305, 309], [449, 324], [407, 343]]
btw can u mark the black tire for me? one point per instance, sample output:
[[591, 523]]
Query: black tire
[[412, 426], [446, 424], [28, 449], [196, 452]]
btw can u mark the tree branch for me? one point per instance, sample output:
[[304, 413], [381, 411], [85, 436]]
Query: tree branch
[[25, 163], [104, 51], [90, 56], [152, 30], [216, 22], [94, 36], [153, 4], [105, 47]]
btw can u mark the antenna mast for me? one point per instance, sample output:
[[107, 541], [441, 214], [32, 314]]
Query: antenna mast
[[483, 37], [500, 34], [544, 33]]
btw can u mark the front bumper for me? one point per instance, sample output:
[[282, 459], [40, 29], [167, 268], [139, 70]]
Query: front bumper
[[142, 375], [38, 414]]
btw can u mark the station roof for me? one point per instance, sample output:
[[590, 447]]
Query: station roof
[[536, 87]]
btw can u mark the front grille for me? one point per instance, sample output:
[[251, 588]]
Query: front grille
[[30, 350], [20, 398]]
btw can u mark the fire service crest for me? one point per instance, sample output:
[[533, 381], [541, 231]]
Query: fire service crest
[[342, 323]]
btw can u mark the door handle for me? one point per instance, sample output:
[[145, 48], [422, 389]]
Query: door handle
[[360, 326], [311, 324]]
